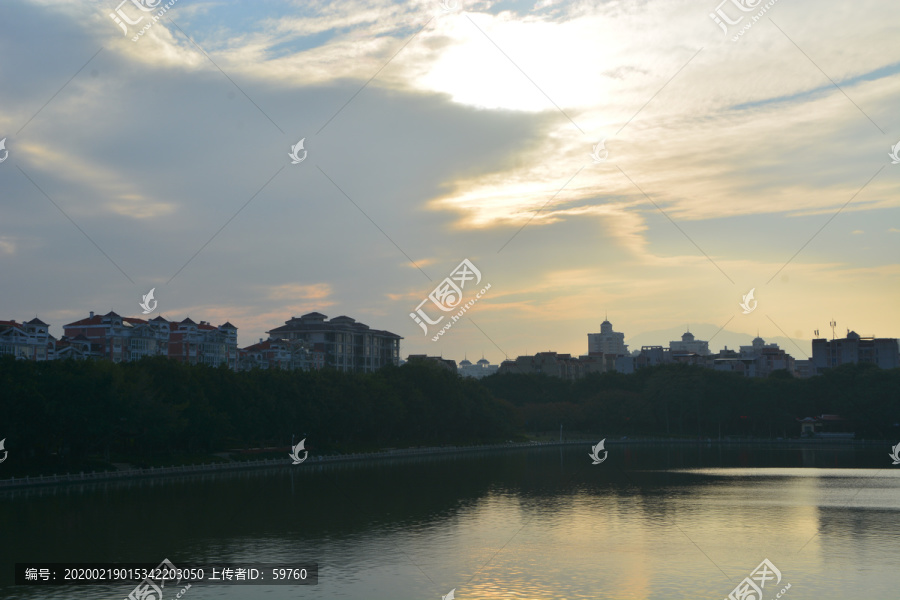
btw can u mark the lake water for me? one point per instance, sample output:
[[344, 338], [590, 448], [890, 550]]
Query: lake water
[[664, 522]]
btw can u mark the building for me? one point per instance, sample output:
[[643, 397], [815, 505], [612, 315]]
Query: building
[[445, 363], [756, 347], [624, 364], [770, 360], [826, 427], [689, 344], [480, 369], [122, 339], [564, 366], [111, 336], [596, 363], [342, 343], [759, 359], [77, 348], [883, 352], [201, 343], [651, 356], [804, 369], [756, 360], [607, 341], [687, 358], [733, 362], [276, 354], [26, 341]]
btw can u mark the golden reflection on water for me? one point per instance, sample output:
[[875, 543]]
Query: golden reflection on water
[[526, 530]]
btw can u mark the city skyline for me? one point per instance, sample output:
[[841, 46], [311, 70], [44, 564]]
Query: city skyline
[[725, 339], [585, 174]]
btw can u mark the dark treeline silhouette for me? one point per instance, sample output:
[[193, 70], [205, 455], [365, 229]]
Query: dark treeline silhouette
[[58, 414], [62, 415], [692, 401]]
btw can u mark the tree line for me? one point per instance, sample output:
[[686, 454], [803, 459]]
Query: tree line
[[692, 401], [61, 415]]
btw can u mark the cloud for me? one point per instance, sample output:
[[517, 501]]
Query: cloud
[[446, 136], [7, 245], [293, 291]]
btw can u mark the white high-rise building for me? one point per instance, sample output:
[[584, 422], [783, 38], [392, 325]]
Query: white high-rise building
[[689, 344], [756, 348], [607, 341]]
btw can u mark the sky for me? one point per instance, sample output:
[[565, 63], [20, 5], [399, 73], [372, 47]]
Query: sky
[[622, 159]]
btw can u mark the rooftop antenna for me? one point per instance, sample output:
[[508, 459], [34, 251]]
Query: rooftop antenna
[[833, 324]]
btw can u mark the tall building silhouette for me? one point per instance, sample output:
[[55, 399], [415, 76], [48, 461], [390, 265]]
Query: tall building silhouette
[[884, 352], [689, 344], [607, 341], [342, 343]]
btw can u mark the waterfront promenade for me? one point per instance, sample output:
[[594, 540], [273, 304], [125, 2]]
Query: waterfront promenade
[[323, 460]]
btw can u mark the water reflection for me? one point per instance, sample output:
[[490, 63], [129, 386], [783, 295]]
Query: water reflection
[[650, 522]]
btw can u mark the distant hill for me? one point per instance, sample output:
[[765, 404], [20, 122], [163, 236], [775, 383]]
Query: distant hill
[[732, 339]]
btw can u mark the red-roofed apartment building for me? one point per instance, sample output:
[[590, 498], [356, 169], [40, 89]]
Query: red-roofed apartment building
[[201, 342], [121, 339]]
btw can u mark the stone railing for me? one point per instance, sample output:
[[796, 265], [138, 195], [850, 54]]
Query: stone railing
[[83, 477]]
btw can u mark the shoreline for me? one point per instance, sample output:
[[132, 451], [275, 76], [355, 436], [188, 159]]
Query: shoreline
[[154, 472]]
